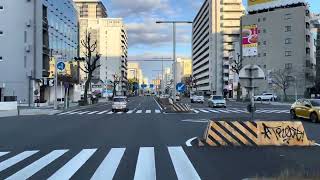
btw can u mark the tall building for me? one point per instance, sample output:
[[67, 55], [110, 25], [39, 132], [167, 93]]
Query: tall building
[[282, 41], [93, 9], [135, 72], [184, 68], [31, 33], [112, 42], [215, 28]]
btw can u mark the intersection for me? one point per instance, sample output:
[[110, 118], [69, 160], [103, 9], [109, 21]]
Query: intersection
[[89, 143]]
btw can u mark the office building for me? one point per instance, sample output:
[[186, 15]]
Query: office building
[[215, 28], [283, 41], [92, 9], [184, 68], [31, 33], [135, 72]]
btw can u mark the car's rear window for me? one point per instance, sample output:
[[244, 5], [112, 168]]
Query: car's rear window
[[217, 97], [315, 102], [119, 99]]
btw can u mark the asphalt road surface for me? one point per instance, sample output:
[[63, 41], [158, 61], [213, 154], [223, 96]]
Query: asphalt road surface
[[143, 144]]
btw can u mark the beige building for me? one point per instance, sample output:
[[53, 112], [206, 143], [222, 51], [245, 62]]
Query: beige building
[[215, 28], [112, 41], [135, 72], [184, 68]]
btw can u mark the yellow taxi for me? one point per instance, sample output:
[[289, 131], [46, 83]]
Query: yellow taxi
[[306, 108]]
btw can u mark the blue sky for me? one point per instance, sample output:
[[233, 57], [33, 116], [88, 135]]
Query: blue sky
[[148, 40]]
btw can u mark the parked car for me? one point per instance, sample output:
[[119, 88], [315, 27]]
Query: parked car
[[307, 109], [265, 97], [197, 99], [217, 101], [119, 104]]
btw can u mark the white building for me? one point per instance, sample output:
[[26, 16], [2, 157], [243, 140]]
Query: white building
[[215, 28]]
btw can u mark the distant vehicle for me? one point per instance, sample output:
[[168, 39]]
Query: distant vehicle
[[307, 109], [119, 104], [217, 101], [197, 99], [177, 97], [147, 94], [265, 97]]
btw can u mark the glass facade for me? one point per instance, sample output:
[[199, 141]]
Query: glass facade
[[62, 19]]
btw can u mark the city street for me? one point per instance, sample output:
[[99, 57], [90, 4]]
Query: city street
[[143, 143]]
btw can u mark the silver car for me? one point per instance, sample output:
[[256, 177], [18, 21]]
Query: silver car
[[119, 104], [217, 101]]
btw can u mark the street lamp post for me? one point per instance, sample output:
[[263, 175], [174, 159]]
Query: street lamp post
[[174, 50]]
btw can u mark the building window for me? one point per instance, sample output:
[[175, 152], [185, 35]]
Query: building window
[[288, 41], [288, 66], [288, 53], [1, 33], [307, 25], [259, 43], [264, 42], [264, 19], [264, 31], [265, 66], [264, 54], [308, 38], [259, 55], [258, 19], [287, 16], [1, 8], [307, 12], [287, 28], [308, 51], [1, 58]]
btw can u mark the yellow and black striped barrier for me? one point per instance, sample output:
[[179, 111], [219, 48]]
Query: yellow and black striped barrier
[[259, 133]]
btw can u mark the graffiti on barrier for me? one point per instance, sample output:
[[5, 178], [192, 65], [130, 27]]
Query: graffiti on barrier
[[284, 133]]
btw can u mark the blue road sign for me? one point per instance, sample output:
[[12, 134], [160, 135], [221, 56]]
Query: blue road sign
[[143, 86], [61, 66], [181, 87], [151, 86]]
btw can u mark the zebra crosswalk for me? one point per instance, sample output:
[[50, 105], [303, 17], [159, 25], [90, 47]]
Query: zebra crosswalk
[[66, 163], [240, 110], [109, 112]]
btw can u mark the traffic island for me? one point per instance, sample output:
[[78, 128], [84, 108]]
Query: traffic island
[[256, 133]]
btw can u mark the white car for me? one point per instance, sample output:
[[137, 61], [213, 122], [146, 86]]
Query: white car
[[197, 99], [119, 104], [177, 97], [217, 101], [266, 97]]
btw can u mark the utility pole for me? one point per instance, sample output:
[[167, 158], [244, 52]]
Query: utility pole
[[174, 50]]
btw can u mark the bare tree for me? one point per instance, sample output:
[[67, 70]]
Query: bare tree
[[282, 78], [91, 61], [236, 66]]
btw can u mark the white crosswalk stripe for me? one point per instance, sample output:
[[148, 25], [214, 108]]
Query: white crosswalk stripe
[[14, 160], [139, 112], [102, 112], [182, 165], [93, 112], [110, 112], [69, 169], [130, 112], [84, 112], [241, 110], [157, 111], [145, 167], [3, 153], [33, 168], [148, 111], [109, 165]]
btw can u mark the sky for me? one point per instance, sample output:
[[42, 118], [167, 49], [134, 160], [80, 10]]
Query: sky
[[148, 40]]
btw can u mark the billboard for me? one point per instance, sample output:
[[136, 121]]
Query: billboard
[[250, 40], [255, 2]]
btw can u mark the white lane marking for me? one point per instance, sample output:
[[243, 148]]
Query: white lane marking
[[139, 112], [214, 111], [145, 168], [65, 113], [317, 144], [93, 112], [84, 112], [102, 112], [130, 112], [158, 104], [69, 169], [3, 153], [157, 111], [188, 142], [109, 165], [182, 165], [195, 111], [110, 112], [196, 121], [202, 110], [36, 166], [119, 112], [148, 111], [14, 160]]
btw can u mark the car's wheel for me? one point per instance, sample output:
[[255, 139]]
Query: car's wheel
[[225, 106], [293, 114], [191, 101], [258, 99], [113, 110], [314, 117]]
